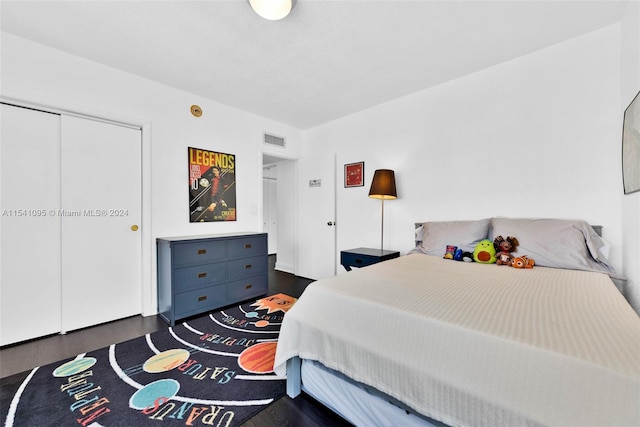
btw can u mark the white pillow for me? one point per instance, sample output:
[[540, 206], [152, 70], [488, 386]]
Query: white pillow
[[465, 235]]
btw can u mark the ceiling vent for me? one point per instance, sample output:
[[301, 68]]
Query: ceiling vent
[[277, 141]]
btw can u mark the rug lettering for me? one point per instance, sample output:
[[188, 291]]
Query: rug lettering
[[230, 341], [191, 368], [211, 415], [79, 388]]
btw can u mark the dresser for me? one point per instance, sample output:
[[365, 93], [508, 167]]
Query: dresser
[[197, 274]]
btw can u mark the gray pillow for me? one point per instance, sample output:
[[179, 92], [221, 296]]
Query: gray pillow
[[559, 243], [437, 235]]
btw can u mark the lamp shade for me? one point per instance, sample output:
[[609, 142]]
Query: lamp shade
[[272, 10], [383, 185]]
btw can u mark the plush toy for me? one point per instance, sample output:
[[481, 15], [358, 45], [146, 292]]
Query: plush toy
[[522, 262], [457, 254], [485, 252], [451, 250], [504, 247]]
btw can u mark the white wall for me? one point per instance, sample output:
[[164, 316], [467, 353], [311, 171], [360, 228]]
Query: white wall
[[36, 73], [537, 136], [630, 86]]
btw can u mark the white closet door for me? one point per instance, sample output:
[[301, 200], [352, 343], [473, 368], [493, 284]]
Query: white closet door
[[29, 225], [101, 243]]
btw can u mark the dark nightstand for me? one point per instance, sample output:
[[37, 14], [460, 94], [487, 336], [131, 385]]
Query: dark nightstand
[[361, 257]]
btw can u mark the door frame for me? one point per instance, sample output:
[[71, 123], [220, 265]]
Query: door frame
[[147, 258]]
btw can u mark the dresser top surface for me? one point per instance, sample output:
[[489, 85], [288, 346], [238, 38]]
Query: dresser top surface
[[370, 251], [210, 236]]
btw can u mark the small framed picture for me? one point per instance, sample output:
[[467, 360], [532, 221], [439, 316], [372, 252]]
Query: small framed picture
[[354, 175]]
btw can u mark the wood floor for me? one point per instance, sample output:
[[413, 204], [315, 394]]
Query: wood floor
[[301, 411]]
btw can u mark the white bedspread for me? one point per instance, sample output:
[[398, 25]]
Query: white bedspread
[[474, 344]]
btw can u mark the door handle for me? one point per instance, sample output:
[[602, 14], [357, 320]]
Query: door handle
[[330, 223]]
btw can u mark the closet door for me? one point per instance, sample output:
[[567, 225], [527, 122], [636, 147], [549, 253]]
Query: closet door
[[101, 241], [29, 225]]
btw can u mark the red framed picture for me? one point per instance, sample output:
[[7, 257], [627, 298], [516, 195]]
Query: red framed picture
[[354, 174]]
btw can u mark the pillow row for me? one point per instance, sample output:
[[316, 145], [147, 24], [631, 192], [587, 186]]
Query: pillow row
[[559, 243]]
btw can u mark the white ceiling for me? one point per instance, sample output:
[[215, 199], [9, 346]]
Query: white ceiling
[[326, 60]]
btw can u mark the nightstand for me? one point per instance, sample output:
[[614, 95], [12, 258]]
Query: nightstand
[[361, 257]]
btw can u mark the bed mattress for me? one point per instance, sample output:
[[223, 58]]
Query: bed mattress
[[476, 344]]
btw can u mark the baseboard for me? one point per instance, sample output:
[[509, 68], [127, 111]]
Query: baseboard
[[285, 268]]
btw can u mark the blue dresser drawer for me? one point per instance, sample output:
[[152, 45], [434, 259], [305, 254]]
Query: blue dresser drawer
[[247, 247], [362, 257], [199, 301], [199, 252], [358, 260], [246, 267], [244, 289], [188, 278]]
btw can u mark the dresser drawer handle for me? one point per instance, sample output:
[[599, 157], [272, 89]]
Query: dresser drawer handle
[[248, 286], [202, 298], [202, 251], [247, 266], [247, 245], [358, 261], [202, 275]]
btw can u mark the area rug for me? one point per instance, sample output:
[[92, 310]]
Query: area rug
[[215, 370]]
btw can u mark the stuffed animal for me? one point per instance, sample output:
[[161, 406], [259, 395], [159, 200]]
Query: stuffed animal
[[451, 250], [504, 247], [522, 262], [485, 252]]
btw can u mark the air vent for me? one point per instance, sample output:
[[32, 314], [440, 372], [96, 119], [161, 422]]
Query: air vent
[[274, 140]]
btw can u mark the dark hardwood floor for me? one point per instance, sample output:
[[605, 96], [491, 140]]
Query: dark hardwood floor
[[15, 359]]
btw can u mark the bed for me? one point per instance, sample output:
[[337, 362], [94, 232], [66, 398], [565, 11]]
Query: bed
[[422, 340]]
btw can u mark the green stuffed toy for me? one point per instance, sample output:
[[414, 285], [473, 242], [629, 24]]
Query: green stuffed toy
[[485, 252]]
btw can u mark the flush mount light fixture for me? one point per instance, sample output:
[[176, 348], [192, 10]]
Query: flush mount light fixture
[[272, 10]]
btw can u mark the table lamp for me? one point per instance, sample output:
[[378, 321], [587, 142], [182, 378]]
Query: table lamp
[[383, 187]]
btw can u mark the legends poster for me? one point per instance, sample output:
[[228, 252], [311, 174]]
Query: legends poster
[[212, 186]]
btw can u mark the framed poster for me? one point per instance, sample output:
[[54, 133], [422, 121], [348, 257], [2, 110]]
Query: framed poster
[[212, 186], [354, 174], [631, 147]]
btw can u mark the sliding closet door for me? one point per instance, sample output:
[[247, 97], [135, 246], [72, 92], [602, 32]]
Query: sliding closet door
[[29, 225], [101, 242]]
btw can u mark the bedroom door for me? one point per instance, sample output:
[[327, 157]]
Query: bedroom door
[[318, 252], [101, 241]]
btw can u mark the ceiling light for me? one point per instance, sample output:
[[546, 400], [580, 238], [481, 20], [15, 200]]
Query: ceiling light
[[272, 9]]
